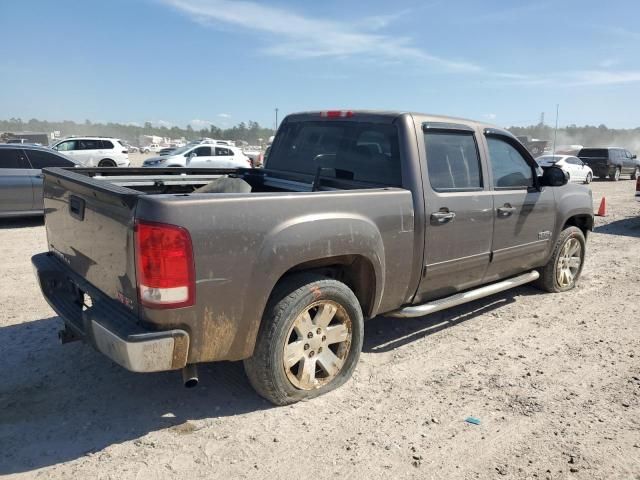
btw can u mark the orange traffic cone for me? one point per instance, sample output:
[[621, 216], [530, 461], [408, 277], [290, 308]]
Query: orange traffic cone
[[602, 211]]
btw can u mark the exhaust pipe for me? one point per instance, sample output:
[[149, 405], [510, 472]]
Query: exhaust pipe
[[190, 375]]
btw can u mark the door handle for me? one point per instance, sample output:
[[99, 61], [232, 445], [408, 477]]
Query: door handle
[[506, 211], [442, 217]]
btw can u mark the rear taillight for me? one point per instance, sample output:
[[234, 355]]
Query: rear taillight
[[337, 114], [164, 261], [125, 151]]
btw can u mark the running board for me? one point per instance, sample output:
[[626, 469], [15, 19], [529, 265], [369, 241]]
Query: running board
[[464, 297]]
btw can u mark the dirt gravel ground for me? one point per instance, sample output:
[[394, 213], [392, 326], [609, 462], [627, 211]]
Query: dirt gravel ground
[[554, 380]]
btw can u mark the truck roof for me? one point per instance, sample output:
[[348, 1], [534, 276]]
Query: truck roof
[[391, 115]]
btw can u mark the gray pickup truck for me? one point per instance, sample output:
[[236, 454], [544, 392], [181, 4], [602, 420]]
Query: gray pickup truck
[[356, 214]]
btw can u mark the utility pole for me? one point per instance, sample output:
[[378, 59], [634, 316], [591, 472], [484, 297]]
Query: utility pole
[[275, 129], [555, 134]]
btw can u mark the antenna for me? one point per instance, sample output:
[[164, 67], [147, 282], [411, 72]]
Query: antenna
[[555, 133]]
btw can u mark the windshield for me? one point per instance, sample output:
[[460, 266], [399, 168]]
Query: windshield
[[548, 159], [181, 150], [362, 151]]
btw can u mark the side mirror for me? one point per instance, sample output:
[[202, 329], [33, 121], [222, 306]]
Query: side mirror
[[634, 156], [554, 177]]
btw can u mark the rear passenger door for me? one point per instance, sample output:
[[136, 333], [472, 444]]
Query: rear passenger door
[[459, 209], [523, 215], [89, 151], [16, 192]]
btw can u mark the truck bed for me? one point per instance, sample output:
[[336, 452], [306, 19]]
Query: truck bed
[[242, 242]]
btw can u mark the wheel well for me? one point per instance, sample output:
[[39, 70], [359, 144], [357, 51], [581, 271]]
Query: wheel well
[[355, 271], [107, 160], [583, 222]]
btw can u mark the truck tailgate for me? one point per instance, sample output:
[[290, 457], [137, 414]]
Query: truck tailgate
[[90, 226]]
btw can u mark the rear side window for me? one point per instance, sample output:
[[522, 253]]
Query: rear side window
[[223, 152], [510, 169], [362, 151], [105, 144], [39, 159], [12, 158], [452, 161], [88, 144]]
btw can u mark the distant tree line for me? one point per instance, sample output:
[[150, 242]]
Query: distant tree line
[[588, 135], [249, 132]]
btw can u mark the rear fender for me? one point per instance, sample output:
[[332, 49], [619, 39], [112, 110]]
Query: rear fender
[[305, 239]]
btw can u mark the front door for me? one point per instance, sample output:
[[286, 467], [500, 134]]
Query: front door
[[459, 223], [202, 157], [524, 215]]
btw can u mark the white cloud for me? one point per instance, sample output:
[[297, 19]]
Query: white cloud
[[297, 36], [198, 124], [161, 123], [224, 115], [294, 36], [490, 116]]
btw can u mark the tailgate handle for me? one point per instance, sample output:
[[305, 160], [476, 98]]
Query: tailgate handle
[[76, 207]]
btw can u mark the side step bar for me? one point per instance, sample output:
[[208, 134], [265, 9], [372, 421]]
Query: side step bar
[[464, 297]]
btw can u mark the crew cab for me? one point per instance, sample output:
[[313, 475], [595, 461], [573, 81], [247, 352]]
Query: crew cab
[[356, 214]]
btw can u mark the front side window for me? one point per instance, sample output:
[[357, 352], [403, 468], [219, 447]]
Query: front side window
[[12, 158], [452, 161], [509, 167], [66, 146], [202, 152], [39, 159]]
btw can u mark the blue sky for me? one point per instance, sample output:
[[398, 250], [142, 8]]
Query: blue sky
[[226, 61]]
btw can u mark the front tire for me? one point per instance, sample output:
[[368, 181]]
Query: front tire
[[309, 341], [635, 174], [589, 179], [107, 163], [563, 269]]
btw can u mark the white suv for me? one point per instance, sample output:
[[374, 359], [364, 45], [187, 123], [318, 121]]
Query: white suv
[[94, 151], [202, 156]]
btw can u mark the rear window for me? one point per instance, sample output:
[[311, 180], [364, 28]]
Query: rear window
[[594, 152], [105, 144], [366, 152]]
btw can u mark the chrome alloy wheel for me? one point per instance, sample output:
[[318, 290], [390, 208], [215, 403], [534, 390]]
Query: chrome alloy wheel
[[569, 262], [317, 345]]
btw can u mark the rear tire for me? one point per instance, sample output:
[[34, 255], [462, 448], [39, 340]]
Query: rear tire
[[635, 174], [107, 162], [563, 269], [615, 176], [309, 341]]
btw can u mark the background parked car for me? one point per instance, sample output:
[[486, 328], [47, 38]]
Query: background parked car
[[578, 171], [202, 156], [154, 147], [611, 162], [21, 177], [94, 151], [166, 151]]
